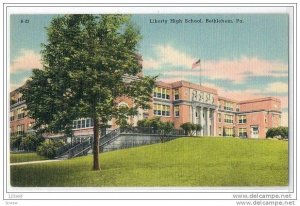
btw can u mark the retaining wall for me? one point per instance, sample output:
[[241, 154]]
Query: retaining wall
[[134, 140]]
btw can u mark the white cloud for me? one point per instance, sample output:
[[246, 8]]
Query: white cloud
[[277, 87], [236, 70], [168, 55], [27, 60]]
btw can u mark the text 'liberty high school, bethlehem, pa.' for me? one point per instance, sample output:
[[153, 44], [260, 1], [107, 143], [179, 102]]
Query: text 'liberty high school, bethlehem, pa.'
[[195, 21]]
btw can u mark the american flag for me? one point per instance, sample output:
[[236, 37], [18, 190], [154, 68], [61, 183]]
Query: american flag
[[196, 64]]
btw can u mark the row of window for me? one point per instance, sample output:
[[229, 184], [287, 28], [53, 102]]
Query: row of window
[[242, 119], [229, 118], [164, 110], [242, 132], [20, 114], [161, 110], [230, 132], [163, 93], [228, 106], [20, 130], [83, 123]]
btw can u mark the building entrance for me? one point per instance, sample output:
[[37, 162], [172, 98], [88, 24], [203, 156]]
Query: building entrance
[[254, 132]]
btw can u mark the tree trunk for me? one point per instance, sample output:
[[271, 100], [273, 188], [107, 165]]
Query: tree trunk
[[96, 163]]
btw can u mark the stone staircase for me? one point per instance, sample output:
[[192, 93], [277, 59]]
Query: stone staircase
[[86, 145]]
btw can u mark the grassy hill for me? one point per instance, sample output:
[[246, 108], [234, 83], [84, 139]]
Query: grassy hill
[[25, 157], [182, 162]]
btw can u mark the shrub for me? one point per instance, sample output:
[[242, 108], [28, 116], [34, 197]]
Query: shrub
[[49, 148], [278, 131], [187, 127], [154, 123], [15, 142], [166, 127], [31, 141], [190, 128]]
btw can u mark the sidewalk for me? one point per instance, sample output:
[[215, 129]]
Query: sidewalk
[[34, 162]]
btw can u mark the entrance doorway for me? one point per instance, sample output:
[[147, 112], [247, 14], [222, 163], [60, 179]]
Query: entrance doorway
[[254, 132]]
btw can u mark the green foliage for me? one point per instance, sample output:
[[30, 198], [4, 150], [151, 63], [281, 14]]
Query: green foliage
[[31, 141], [84, 63], [15, 142], [85, 60], [154, 123], [190, 128], [164, 128], [49, 148], [282, 132], [182, 162]]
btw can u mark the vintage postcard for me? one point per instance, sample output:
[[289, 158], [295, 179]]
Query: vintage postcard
[[168, 99]]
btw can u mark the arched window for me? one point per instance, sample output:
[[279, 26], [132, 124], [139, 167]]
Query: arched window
[[123, 104]]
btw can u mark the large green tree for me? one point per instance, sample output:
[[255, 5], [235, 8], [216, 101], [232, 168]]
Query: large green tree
[[84, 63]]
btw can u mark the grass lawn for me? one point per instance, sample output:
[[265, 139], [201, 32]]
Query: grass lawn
[[181, 162], [25, 157]]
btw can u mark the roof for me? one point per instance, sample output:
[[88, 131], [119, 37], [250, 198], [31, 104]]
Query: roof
[[183, 83], [228, 99], [260, 100]]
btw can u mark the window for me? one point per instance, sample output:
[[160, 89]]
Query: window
[[12, 130], [83, 123], [168, 94], [21, 113], [228, 106], [167, 110], [155, 109], [159, 107], [228, 118], [78, 124], [158, 92], [228, 132], [12, 116], [88, 122], [20, 129], [219, 105], [161, 110], [164, 93], [161, 93], [242, 119], [176, 94], [242, 132], [176, 111], [219, 117], [20, 98], [220, 131]]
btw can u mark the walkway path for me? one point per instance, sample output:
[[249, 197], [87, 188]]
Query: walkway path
[[34, 162]]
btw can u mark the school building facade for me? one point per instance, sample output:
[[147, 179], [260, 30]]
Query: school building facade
[[182, 102]]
